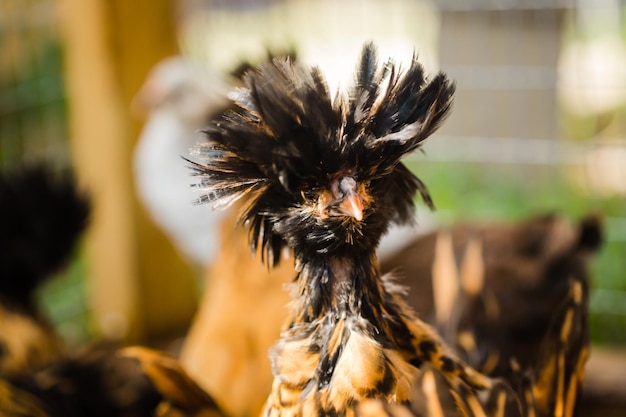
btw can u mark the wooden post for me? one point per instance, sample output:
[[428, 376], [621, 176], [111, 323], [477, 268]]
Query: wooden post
[[139, 287]]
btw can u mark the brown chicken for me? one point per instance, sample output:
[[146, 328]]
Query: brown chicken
[[322, 176], [43, 216], [179, 394], [492, 289], [240, 317], [107, 382]]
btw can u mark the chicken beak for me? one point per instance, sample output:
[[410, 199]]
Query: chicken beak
[[352, 206], [349, 197]]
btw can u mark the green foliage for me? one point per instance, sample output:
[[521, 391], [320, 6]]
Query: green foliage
[[63, 301]]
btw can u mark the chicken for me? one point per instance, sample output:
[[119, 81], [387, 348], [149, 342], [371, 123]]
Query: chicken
[[323, 177], [240, 316], [492, 289], [106, 381], [180, 98], [43, 216]]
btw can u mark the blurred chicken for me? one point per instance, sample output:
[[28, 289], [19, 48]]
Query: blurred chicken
[[240, 316], [107, 382], [323, 177], [180, 98], [492, 289], [44, 214], [42, 218], [180, 395]]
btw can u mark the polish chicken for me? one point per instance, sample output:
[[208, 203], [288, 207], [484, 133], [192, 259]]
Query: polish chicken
[[322, 176], [240, 316]]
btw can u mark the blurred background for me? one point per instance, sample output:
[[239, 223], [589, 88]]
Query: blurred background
[[539, 123]]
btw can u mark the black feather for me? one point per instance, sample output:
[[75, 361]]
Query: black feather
[[288, 139], [95, 382], [42, 215]]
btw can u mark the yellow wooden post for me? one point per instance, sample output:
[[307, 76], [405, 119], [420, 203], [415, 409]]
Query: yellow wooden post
[[139, 287]]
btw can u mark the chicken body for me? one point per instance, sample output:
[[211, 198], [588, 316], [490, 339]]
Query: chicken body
[[486, 273], [493, 289], [369, 347], [241, 313]]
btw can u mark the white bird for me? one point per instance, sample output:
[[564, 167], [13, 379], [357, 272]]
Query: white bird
[[180, 98]]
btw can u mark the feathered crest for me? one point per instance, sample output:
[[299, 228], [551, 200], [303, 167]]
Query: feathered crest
[[43, 215], [289, 137]]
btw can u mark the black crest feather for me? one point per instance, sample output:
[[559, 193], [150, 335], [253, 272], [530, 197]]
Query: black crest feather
[[42, 215], [288, 137]]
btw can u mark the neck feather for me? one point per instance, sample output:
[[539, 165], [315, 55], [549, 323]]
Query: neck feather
[[338, 286], [347, 339]]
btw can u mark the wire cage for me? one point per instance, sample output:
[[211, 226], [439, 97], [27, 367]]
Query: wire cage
[[535, 127]]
